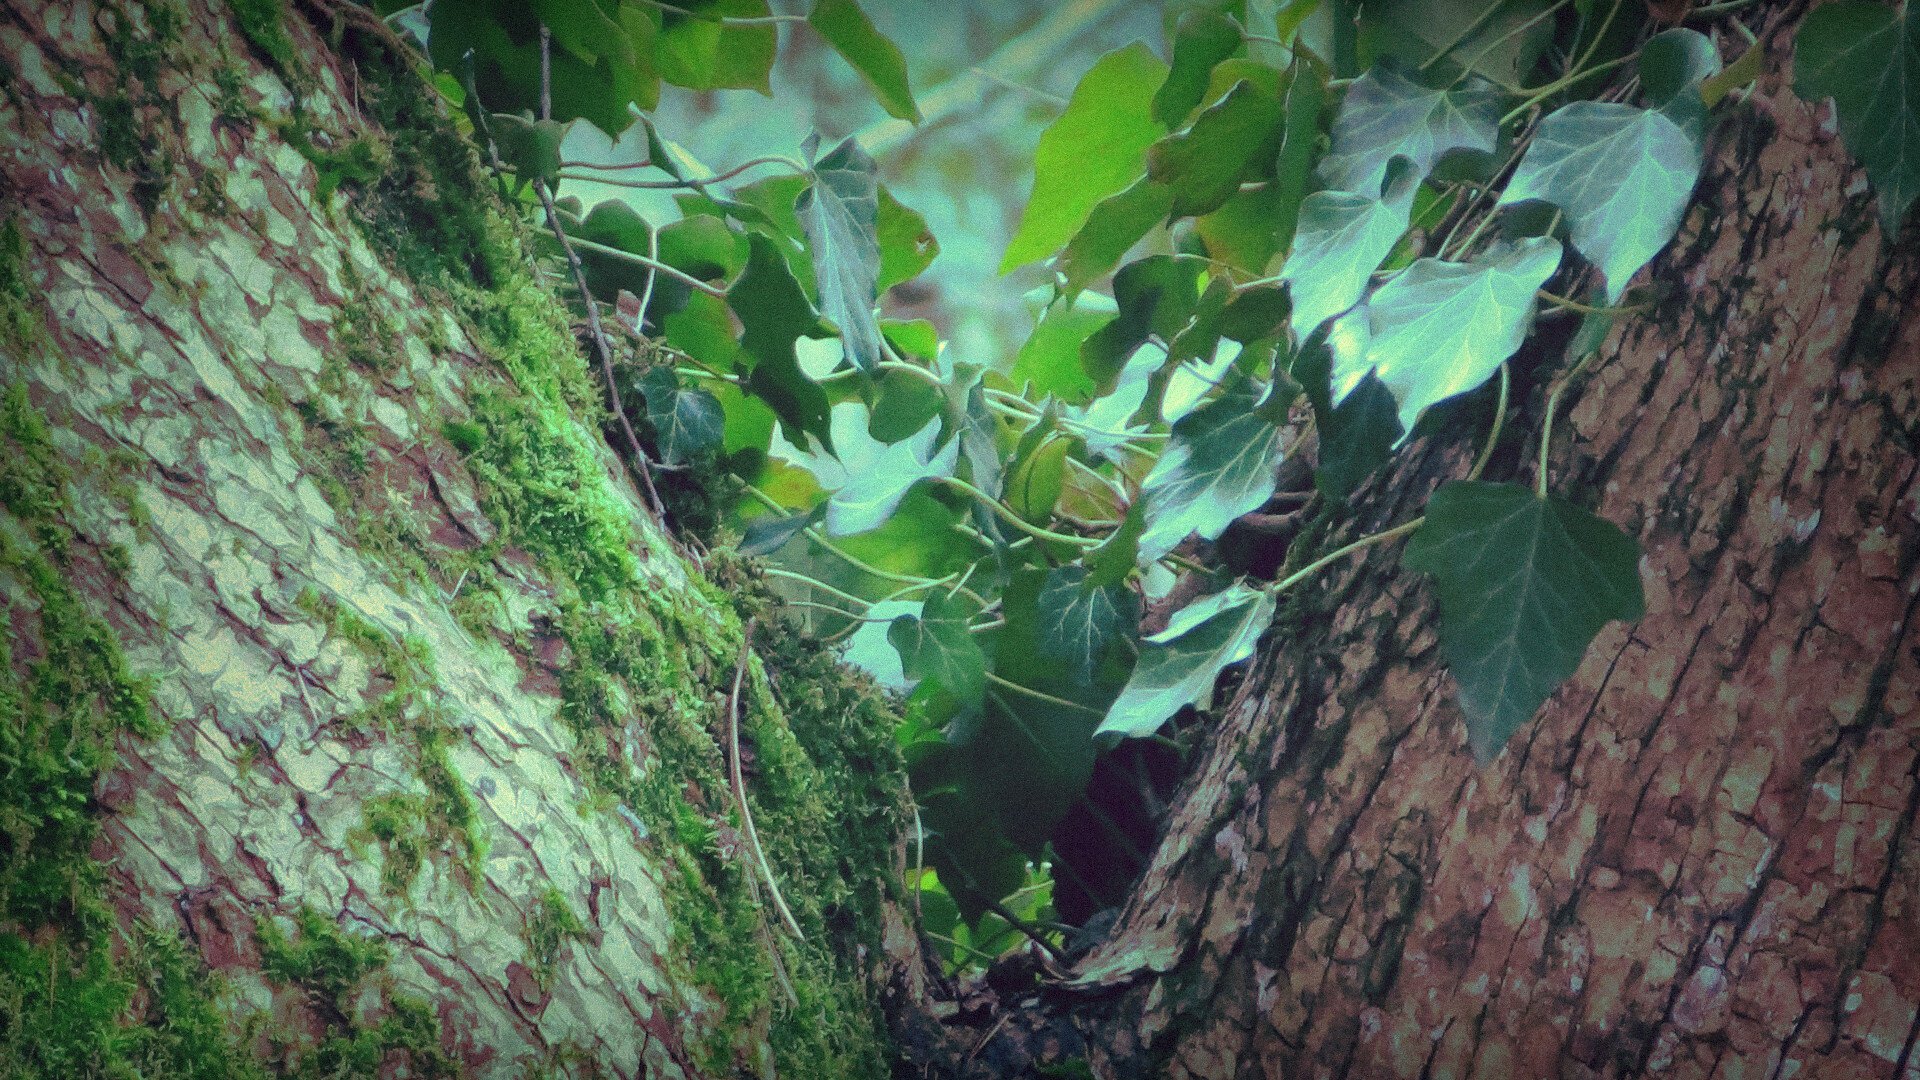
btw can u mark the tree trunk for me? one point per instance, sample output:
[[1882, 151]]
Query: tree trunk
[[434, 769], [1701, 858]]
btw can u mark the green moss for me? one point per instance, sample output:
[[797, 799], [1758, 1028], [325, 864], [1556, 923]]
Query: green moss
[[551, 924], [264, 24], [334, 967], [143, 41]]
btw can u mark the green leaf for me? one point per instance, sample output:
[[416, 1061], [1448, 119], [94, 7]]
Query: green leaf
[[1205, 164], [903, 404], [1114, 226], [936, 646], [617, 225], [1442, 328], [1179, 665], [1342, 238], [1524, 584], [1219, 465], [1622, 175], [869, 649], [1156, 296], [1675, 61], [878, 60], [1386, 114], [531, 148], [1866, 57], [1096, 148], [1506, 38], [1080, 621], [774, 314], [872, 493], [707, 53], [1356, 438], [839, 214], [1034, 483], [702, 246], [1049, 361], [770, 532], [1203, 39], [1305, 96], [687, 423], [907, 246]]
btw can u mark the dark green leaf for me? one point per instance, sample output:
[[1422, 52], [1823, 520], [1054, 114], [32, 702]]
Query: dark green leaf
[[1866, 57], [704, 53], [1156, 296], [903, 404], [852, 35], [1386, 114], [1204, 38], [1622, 175], [702, 246], [1080, 621], [839, 214], [1675, 61], [1096, 148], [1505, 40], [1205, 164], [531, 148], [1356, 438], [1442, 328], [1219, 464], [1524, 583], [770, 532], [1179, 665], [936, 646], [614, 224], [775, 314], [687, 423]]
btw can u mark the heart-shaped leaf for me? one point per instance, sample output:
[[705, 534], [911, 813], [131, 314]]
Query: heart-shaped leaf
[[1442, 328], [1524, 583], [1219, 464], [936, 646], [1866, 57], [1386, 114], [1621, 174], [1080, 621], [1342, 238], [1179, 665], [839, 212]]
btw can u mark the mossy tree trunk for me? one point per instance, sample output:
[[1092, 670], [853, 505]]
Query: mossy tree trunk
[[1702, 858], [345, 663]]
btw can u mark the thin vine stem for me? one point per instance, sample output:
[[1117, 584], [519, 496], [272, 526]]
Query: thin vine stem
[[1342, 552], [1493, 436], [1041, 695], [653, 264], [1005, 513]]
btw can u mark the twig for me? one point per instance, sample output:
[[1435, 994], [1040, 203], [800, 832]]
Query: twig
[[740, 783], [1026, 928]]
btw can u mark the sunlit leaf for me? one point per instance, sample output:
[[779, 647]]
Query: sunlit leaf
[[1112, 228], [1442, 328], [707, 53], [1219, 465], [871, 493], [1524, 584], [1386, 114], [1866, 57], [1203, 39], [878, 60], [1342, 238], [1179, 666], [839, 214], [1096, 148], [1080, 621], [1622, 175], [1049, 361], [1034, 482]]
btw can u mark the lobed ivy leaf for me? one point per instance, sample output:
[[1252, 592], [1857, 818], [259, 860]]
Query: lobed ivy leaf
[[1202, 40], [1179, 665], [1342, 238], [1094, 149], [1219, 465], [845, 27], [711, 50], [839, 212], [1080, 620], [1205, 164], [1622, 175], [1866, 57], [1524, 585], [1156, 297], [1442, 328], [1356, 438], [936, 646], [872, 493], [774, 314], [1385, 115], [688, 423], [1115, 224]]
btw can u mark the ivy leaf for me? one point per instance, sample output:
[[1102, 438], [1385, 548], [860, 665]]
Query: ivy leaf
[[1179, 665], [871, 494], [936, 646], [1386, 114], [1219, 465], [869, 649], [1866, 57], [1342, 238], [1202, 40], [1079, 621], [1442, 328], [1524, 584], [1356, 438], [1034, 483], [531, 148], [769, 533], [839, 212], [1205, 164], [1621, 174], [774, 313], [1156, 296], [1096, 148], [1675, 61], [907, 246], [687, 423], [1113, 227], [878, 60], [704, 51], [1049, 360]]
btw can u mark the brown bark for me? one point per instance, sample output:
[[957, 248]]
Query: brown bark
[[1701, 859]]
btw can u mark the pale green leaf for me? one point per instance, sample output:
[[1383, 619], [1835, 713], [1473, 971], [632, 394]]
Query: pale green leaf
[[1622, 175], [1342, 238], [1524, 584], [1442, 328], [839, 213], [1386, 114], [1866, 57], [878, 60], [1219, 465], [871, 494], [1179, 666], [1094, 149]]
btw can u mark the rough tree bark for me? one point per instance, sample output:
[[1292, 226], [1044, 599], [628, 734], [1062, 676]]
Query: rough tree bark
[[1701, 859]]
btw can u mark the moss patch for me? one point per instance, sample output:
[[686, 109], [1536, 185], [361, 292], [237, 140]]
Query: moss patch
[[551, 924]]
